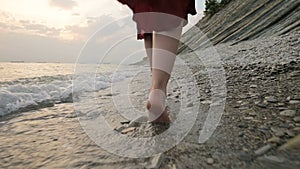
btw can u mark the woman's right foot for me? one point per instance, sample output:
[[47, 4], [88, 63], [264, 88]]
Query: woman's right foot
[[159, 112]]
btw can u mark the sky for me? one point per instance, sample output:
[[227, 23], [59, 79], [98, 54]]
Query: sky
[[65, 30]]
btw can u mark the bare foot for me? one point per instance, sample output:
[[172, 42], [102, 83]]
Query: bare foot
[[163, 118]]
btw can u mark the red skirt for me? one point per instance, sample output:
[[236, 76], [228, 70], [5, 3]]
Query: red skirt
[[159, 15]]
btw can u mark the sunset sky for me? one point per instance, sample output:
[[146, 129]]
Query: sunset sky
[[56, 30]]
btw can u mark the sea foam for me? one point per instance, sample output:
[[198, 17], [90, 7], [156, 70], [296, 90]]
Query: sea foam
[[50, 90]]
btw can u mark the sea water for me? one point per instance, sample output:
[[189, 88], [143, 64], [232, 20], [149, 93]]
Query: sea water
[[25, 85]]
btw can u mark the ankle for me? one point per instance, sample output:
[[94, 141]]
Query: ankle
[[159, 88]]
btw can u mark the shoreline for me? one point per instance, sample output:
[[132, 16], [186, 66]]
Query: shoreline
[[261, 114]]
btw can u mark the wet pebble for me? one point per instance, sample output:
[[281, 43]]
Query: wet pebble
[[250, 112], [248, 118], [296, 129], [294, 101], [288, 113], [296, 119], [241, 134], [263, 150], [244, 156], [263, 127], [277, 131], [261, 105], [271, 99], [280, 104], [290, 133], [242, 125], [71, 115], [210, 160], [253, 86]]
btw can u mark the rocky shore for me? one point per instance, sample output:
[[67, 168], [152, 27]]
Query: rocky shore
[[259, 128]]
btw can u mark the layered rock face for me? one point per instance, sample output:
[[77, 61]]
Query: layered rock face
[[243, 20]]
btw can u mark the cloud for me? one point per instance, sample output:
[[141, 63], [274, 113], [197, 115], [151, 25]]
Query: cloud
[[41, 29], [34, 48], [36, 41], [10, 24], [92, 25], [63, 4]]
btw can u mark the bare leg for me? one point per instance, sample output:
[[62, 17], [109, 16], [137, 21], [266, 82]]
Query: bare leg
[[163, 58], [148, 42]]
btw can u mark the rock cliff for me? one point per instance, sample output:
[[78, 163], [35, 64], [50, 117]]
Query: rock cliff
[[243, 20]]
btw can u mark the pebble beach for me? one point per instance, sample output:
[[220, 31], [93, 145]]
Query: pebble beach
[[259, 128]]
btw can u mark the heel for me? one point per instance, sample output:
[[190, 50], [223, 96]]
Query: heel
[[157, 99]]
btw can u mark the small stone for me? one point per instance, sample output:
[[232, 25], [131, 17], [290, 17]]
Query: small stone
[[239, 102], [296, 129], [248, 118], [263, 150], [256, 121], [271, 99], [242, 125], [274, 139], [262, 127], [288, 113], [253, 86], [261, 105], [296, 119], [272, 159], [128, 130], [245, 149], [292, 144], [210, 161], [296, 97], [254, 95], [251, 112], [57, 102], [71, 115], [280, 104], [285, 125], [294, 101], [243, 108], [277, 131], [290, 133], [282, 108], [245, 156]]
